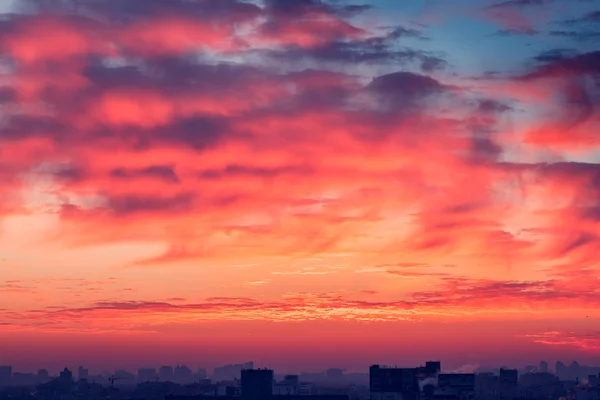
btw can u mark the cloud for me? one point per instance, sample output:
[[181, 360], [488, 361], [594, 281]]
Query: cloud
[[589, 341], [234, 133], [574, 102], [163, 172], [577, 35], [520, 3], [455, 297], [314, 270]]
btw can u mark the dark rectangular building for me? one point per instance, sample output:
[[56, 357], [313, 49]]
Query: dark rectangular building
[[393, 383], [257, 384]]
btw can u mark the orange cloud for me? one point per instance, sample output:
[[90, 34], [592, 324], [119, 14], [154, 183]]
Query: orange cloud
[[259, 151]]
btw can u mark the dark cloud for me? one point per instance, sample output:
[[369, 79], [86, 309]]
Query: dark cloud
[[555, 55], [116, 11], [577, 35], [462, 291], [594, 16], [241, 170], [591, 17], [519, 3], [299, 8], [586, 63], [575, 79], [135, 204], [406, 87], [367, 51], [561, 170], [492, 106], [163, 172], [580, 240], [517, 32]]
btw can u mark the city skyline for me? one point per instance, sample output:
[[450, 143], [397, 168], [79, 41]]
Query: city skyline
[[427, 381], [225, 372], [302, 183], [218, 372]]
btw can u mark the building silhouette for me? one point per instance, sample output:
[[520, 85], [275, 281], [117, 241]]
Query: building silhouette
[[5, 375], [257, 384], [82, 373], [455, 386], [165, 373], [390, 383], [43, 375], [146, 374]]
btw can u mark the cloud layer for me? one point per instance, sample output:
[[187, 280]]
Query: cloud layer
[[298, 146]]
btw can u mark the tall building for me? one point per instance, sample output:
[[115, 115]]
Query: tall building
[[574, 370], [257, 384], [65, 380], [456, 386], [508, 382], [182, 374], [393, 383], [543, 366], [66, 375], [560, 369], [434, 366]]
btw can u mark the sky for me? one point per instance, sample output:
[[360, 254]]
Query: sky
[[301, 183]]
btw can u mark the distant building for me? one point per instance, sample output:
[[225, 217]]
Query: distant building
[[434, 366], [486, 385], [165, 373], [455, 386], [43, 376], [289, 386], [5, 375], [335, 374], [543, 367], [257, 384], [182, 374], [560, 369], [66, 375], [82, 373], [508, 382], [529, 369], [146, 374], [24, 379], [389, 383], [201, 374], [229, 372], [509, 376], [65, 381]]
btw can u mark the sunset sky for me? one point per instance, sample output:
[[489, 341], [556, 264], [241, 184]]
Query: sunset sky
[[300, 183]]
